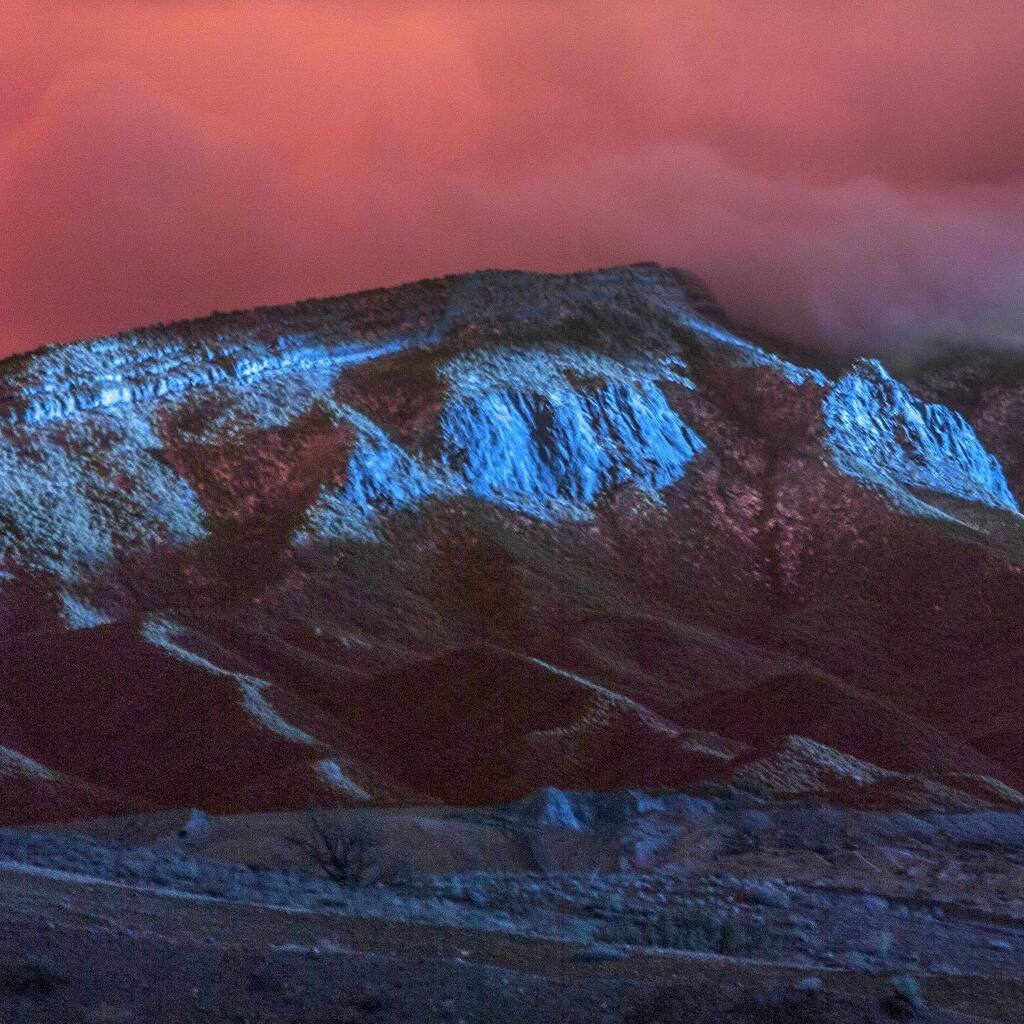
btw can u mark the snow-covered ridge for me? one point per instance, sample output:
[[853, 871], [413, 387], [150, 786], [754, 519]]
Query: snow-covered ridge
[[542, 420], [743, 353], [106, 376], [238, 348], [150, 363]]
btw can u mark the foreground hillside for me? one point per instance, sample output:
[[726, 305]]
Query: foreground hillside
[[456, 541]]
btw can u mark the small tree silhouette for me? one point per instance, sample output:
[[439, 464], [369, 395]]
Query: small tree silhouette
[[344, 853]]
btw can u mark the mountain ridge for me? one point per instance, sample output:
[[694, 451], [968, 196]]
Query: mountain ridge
[[277, 508]]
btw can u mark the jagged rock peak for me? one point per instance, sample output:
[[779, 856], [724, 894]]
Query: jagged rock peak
[[882, 434]]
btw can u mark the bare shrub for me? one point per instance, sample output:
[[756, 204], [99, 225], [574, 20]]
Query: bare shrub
[[345, 852]]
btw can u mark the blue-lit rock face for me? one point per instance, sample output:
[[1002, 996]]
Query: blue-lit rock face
[[544, 433], [517, 431], [540, 450], [879, 433]]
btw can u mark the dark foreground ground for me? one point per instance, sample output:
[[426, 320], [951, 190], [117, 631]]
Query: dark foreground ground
[[626, 908]]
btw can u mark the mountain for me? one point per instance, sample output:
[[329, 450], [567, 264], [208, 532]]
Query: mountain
[[461, 539]]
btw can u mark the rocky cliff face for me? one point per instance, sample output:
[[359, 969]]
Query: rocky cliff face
[[467, 537]]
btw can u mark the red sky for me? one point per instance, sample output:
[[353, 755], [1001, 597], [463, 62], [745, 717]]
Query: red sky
[[845, 170]]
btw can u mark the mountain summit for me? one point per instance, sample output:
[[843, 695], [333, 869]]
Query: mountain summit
[[461, 539]]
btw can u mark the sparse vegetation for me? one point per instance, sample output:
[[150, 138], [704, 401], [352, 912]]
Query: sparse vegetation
[[882, 942], [698, 931], [745, 839], [813, 826], [32, 977], [765, 892], [369, 1000], [479, 588], [667, 1005]]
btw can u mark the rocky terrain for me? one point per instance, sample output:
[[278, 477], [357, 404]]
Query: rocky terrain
[[449, 545], [712, 906]]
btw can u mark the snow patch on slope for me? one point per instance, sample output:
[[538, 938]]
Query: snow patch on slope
[[884, 436], [13, 763], [54, 482], [162, 633], [331, 773], [608, 699], [111, 372], [803, 765], [381, 477]]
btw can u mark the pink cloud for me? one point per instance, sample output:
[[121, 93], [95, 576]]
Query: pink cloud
[[857, 177]]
